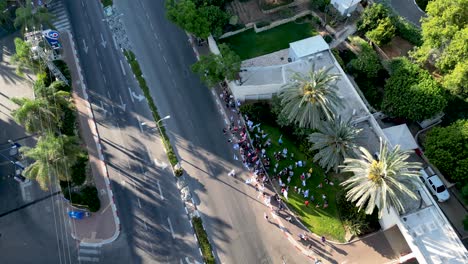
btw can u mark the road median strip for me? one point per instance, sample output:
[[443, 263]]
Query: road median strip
[[203, 241], [131, 59]]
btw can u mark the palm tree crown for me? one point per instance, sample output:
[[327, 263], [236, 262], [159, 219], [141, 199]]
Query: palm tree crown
[[335, 141], [53, 156], [311, 97], [36, 115], [382, 182]]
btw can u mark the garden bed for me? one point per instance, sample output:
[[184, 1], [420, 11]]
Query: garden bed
[[249, 44]]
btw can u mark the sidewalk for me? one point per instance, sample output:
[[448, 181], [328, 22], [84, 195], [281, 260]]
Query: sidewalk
[[374, 247], [103, 226]]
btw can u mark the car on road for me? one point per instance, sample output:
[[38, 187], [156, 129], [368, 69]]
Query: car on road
[[435, 186]]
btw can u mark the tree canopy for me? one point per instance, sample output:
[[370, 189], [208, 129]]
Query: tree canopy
[[445, 38], [198, 20], [411, 92], [214, 68], [447, 149]]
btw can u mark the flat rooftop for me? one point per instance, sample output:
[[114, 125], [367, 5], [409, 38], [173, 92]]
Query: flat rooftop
[[277, 75], [434, 237]]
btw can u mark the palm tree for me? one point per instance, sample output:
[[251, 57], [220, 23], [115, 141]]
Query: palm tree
[[53, 157], [30, 17], [36, 115], [309, 98], [383, 182], [335, 141]]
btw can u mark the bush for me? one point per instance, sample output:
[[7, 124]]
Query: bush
[[367, 64], [407, 31], [446, 148], [90, 198], [319, 4], [203, 241], [286, 13], [258, 112], [328, 38], [357, 222], [262, 24], [68, 121], [411, 92], [383, 33], [63, 67], [78, 170], [371, 17]]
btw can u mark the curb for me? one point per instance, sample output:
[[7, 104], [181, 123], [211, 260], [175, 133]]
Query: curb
[[97, 139]]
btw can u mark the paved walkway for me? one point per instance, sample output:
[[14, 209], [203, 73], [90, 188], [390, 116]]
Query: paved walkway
[[103, 226], [375, 247]]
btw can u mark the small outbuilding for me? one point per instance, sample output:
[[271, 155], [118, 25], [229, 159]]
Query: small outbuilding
[[345, 7], [401, 135]]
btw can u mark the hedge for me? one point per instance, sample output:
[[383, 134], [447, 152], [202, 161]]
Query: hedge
[[154, 110], [203, 240]]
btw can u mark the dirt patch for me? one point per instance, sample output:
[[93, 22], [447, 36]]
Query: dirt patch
[[397, 47]]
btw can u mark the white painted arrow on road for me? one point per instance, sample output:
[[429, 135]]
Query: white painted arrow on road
[[161, 164], [103, 42], [122, 105], [85, 47]]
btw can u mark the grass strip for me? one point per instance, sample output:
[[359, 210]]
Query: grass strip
[[106, 2], [154, 110], [203, 240]]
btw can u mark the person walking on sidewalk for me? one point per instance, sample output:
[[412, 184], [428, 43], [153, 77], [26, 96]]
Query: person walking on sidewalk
[[323, 239], [266, 217]]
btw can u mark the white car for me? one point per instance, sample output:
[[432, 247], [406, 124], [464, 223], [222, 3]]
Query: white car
[[436, 186]]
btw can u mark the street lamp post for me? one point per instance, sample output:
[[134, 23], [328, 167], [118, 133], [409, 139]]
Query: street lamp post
[[157, 123]]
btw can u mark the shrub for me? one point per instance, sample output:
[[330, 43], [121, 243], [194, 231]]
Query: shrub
[[63, 67], [90, 198], [60, 86], [319, 4], [78, 170], [68, 121], [407, 31], [336, 54], [446, 148], [258, 112], [411, 92], [367, 64], [383, 33], [286, 13], [371, 17], [262, 24], [203, 240], [357, 222], [328, 38]]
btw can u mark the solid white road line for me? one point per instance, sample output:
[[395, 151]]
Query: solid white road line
[[160, 191], [131, 95], [139, 124], [164, 58], [139, 203], [123, 69], [88, 251], [170, 227]]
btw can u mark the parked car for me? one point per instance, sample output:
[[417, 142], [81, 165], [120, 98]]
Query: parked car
[[435, 186]]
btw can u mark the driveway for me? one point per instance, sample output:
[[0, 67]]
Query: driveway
[[408, 9]]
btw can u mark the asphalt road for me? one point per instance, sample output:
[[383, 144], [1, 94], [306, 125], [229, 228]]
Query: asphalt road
[[408, 9], [229, 210], [155, 227]]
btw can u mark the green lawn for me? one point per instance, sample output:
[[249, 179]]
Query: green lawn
[[249, 44], [322, 221]]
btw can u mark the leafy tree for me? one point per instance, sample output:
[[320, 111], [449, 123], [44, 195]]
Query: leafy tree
[[319, 4], [411, 92], [185, 14], [5, 14], [335, 141], [446, 148], [383, 33], [371, 17], [23, 55], [53, 156], [310, 98], [382, 183], [216, 17], [214, 68], [32, 17], [36, 115], [445, 34], [367, 64], [457, 80]]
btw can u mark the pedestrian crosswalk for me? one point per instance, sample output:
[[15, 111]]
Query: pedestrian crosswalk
[[58, 10], [88, 254]]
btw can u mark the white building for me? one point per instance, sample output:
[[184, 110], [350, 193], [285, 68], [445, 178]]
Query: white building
[[345, 7], [425, 228]]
